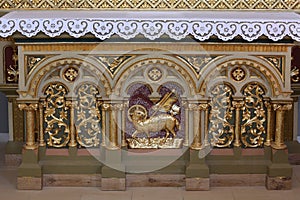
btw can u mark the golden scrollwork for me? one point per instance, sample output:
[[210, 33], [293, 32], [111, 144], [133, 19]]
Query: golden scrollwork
[[150, 4], [221, 128], [295, 75], [253, 117], [112, 63], [88, 116], [13, 70], [56, 116]]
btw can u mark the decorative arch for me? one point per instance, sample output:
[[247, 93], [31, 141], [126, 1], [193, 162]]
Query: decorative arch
[[142, 62], [271, 76], [34, 82]]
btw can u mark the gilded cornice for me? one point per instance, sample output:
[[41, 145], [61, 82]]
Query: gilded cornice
[[151, 4]]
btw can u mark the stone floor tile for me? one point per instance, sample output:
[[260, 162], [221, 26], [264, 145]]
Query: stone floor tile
[[148, 193], [217, 193], [108, 195]]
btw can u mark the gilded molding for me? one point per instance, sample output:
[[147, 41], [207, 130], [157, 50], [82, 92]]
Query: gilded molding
[[151, 4], [169, 47]]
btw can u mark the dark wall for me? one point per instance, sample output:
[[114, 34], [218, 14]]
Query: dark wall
[[3, 114]]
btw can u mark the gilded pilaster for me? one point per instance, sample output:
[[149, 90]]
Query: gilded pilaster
[[269, 137], [124, 143], [41, 124], [279, 129], [206, 118], [237, 131], [30, 124], [197, 126], [186, 126], [113, 133], [104, 109], [71, 105]]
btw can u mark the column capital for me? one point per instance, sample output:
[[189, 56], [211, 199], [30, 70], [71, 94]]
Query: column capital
[[238, 104], [193, 106], [28, 107], [105, 106], [282, 107], [204, 106], [71, 104]]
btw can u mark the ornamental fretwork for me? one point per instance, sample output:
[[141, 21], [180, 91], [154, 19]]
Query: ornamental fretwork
[[151, 4]]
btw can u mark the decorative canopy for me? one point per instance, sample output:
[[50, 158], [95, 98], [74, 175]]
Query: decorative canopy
[[225, 25]]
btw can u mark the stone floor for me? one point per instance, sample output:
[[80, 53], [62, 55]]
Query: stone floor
[[8, 190]]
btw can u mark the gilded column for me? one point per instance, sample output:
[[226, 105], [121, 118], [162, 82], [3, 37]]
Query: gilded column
[[125, 106], [197, 128], [41, 124], [269, 136], [73, 142], [237, 131], [186, 126], [279, 129], [206, 118], [30, 124], [104, 109], [113, 133]]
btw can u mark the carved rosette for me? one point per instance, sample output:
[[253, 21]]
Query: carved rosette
[[70, 74]]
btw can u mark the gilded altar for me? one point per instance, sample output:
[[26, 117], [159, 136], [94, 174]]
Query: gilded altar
[[190, 97]]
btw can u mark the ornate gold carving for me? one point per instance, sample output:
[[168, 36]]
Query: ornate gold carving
[[142, 124], [155, 143], [155, 74], [221, 128], [13, 70], [165, 121], [197, 62], [56, 116], [70, 74], [238, 74], [277, 62], [254, 117], [295, 75], [112, 63], [32, 61], [18, 122], [88, 116], [151, 4]]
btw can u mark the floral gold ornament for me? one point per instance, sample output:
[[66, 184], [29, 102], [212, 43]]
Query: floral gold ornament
[[155, 74], [253, 127], [88, 116], [221, 127], [71, 73], [57, 131], [238, 74]]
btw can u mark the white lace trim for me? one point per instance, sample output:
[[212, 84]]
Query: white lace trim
[[153, 28]]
